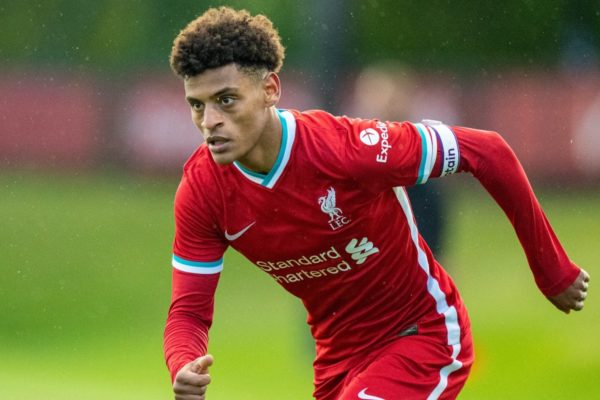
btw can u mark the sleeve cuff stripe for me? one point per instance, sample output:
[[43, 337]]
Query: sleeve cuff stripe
[[197, 267], [428, 153], [433, 151]]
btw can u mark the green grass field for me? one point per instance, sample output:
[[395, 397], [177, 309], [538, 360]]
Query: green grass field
[[85, 267]]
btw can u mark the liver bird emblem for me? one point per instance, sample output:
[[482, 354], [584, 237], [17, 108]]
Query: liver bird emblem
[[327, 204]]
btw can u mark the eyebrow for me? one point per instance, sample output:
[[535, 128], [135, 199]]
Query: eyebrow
[[217, 94]]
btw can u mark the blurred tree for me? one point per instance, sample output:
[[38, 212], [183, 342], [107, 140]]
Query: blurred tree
[[110, 34], [580, 28], [458, 34], [329, 59]]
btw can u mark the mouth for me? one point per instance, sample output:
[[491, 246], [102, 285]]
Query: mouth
[[217, 144]]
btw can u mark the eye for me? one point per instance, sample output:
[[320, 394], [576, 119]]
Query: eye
[[226, 100], [197, 107]]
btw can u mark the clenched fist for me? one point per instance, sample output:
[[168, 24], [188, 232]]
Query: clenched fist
[[192, 379]]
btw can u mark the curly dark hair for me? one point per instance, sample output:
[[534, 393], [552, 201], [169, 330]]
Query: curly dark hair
[[222, 36]]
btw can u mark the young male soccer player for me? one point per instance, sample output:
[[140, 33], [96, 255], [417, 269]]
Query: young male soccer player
[[318, 202]]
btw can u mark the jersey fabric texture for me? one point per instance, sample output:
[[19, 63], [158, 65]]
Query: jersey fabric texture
[[332, 224]]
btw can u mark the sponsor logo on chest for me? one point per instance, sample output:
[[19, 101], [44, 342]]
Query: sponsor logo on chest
[[337, 219], [361, 250], [322, 264]]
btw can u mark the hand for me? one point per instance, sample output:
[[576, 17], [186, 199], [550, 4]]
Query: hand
[[192, 379], [572, 298]]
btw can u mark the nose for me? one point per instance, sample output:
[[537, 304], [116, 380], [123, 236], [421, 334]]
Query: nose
[[212, 118]]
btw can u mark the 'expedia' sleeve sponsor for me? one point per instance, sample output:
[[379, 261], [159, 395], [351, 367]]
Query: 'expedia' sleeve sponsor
[[400, 154], [382, 155], [197, 261]]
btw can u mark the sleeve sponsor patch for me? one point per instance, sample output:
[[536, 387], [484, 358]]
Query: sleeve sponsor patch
[[372, 137]]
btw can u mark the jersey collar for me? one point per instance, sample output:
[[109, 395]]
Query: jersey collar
[[288, 134]]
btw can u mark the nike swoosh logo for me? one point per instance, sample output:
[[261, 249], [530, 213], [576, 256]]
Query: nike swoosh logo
[[363, 395], [235, 236]]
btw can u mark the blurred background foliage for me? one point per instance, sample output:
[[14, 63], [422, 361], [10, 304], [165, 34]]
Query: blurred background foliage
[[457, 34]]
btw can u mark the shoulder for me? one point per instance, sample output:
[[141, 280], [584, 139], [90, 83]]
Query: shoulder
[[320, 140], [198, 162], [323, 121], [200, 181], [347, 128], [323, 131], [201, 170]]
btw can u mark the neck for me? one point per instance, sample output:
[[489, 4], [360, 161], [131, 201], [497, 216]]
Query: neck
[[262, 158]]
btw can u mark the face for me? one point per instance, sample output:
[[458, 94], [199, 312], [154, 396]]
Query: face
[[234, 111]]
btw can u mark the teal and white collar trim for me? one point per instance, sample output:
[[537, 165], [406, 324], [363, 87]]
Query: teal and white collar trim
[[288, 134]]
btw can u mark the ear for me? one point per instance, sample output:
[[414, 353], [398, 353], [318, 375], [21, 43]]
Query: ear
[[272, 87]]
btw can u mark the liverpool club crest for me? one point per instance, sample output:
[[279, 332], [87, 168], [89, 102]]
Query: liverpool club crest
[[328, 206]]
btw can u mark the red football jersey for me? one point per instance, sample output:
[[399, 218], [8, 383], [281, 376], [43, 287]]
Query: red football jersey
[[333, 225]]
